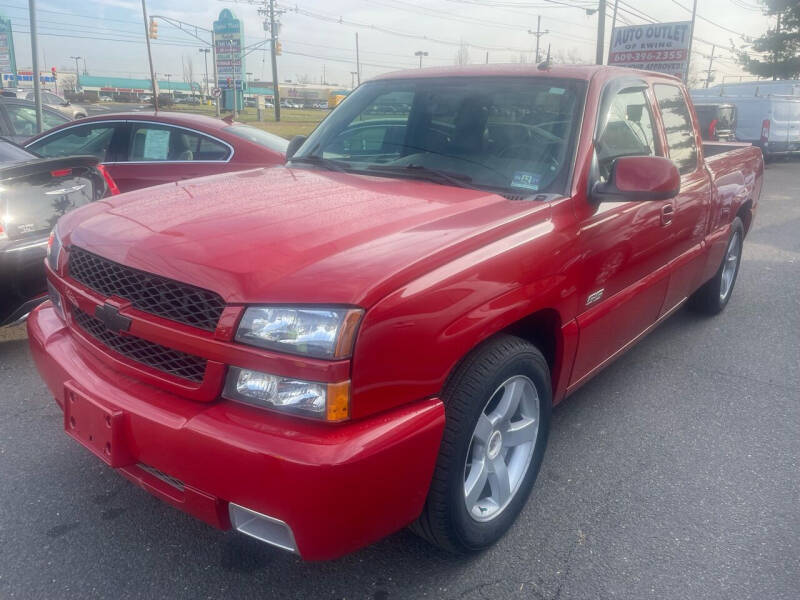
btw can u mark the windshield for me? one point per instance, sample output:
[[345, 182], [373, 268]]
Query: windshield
[[258, 136], [513, 135]]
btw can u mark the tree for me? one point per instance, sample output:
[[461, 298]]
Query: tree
[[781, 45], [462, 55], [188, 71], [572, 56]]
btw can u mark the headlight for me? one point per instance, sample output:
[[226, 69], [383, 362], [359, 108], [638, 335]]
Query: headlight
[[53, 249], [327, 401], [316, 332]]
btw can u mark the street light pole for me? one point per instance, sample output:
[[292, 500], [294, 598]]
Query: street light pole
[[169, 88], [420, 53], [353, 79], [37, 85]]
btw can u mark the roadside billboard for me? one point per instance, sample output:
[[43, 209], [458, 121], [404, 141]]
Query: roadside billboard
[[8, 63], [660, 47]]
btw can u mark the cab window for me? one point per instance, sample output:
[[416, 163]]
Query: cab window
[[628, 131], [677, 127]]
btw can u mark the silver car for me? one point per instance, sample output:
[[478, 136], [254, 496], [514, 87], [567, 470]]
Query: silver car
[[62, 105]]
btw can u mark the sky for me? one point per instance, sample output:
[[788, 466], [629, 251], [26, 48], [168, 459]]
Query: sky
[[109, 34]]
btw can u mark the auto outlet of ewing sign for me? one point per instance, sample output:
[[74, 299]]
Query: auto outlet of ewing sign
[[660, 47]]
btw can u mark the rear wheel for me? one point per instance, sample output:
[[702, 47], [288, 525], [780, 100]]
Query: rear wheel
[[498, 414], [714, 295]]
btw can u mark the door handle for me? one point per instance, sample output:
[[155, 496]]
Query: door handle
[[666, 214]]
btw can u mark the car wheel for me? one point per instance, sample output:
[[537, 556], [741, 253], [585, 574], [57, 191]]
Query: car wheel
[[497, 405], [714, 295]]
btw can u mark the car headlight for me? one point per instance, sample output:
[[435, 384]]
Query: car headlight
[[326, 401], [54, 248], [316, 332]]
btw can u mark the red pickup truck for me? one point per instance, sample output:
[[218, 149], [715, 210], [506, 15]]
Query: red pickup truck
[[375, 334]]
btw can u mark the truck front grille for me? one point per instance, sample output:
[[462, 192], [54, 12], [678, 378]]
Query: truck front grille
[[142, 351], [151, 293]]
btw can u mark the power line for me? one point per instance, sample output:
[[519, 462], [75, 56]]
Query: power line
[[699, 16]]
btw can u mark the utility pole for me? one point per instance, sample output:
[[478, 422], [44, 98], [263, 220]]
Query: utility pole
[[77, 72], [205, 52], [85, 72], [358, 63], [689, 56], [710, 63], [538, 33], [214, 66], [37, 84], [775, 56], [601, 29], [487, 57], [150, 56], [613, 25], [273, 32], [169, 88]]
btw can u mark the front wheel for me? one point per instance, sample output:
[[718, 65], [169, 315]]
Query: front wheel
[[498, 405], [714, 295]]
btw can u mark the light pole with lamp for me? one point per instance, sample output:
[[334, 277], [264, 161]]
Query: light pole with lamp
[[420, 53], [77, 72], [169, 87]]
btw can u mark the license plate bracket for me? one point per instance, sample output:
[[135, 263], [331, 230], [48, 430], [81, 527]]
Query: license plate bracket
[[96, 426]]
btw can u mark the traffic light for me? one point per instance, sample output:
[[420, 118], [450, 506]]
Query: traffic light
[[153, 29], [278, 48], [53, 71]]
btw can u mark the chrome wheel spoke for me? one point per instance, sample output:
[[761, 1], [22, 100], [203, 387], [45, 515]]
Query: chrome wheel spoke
[[520, 432], [483, 430], [499, 481], [509, 402], [476, 481]]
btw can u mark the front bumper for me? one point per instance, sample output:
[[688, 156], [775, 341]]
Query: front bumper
[[338, 487]]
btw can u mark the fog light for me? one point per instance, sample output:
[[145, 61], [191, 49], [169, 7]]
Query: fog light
[[327, 401]]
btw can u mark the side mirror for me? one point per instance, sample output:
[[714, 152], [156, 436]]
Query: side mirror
[[66, 103], [639, 178], [294, 146]]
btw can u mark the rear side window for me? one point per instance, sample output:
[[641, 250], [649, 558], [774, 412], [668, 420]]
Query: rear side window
[[678, 127], [164, 143], [84, 139]]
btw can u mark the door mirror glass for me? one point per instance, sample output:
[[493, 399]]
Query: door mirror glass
[[294, 145], [639, 178]]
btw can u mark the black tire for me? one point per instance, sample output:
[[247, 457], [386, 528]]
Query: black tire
[[445, 520], [709, 299]]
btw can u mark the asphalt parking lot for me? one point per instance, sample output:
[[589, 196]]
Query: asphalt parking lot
[[673, 474]]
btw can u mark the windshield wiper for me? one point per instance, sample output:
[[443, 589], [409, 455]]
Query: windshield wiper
[[325, 163], [456, 179]]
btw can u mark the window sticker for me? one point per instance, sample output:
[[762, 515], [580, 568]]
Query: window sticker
[[557, 91], [156, 144], [528, 181]]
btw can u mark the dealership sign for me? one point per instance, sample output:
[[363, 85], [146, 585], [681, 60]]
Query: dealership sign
[[8, 63], [660, 47], [228, 39]]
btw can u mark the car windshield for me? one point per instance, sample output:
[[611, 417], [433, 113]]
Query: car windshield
[[11, 153], [259, 136], [513, 135]]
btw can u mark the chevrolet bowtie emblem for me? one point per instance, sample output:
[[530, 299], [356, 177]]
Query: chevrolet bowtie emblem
[[111, 318]]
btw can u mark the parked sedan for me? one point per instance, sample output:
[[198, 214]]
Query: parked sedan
[[144, 149], [18, 118], [35, 193]]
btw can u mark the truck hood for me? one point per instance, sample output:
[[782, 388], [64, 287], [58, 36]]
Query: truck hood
[[294, 235]]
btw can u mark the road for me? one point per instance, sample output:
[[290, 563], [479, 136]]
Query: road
[[672, 474]]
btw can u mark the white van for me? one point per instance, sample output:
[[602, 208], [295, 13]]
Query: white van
[[769, 121]]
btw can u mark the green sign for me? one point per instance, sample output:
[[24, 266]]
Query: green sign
[[8, 63]]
